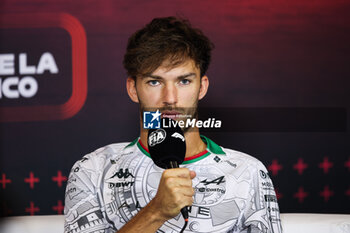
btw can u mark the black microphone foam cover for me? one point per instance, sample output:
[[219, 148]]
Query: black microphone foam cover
[[167, 145]]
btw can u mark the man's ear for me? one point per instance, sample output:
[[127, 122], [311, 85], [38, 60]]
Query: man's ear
[[131, 88], [204, 87]]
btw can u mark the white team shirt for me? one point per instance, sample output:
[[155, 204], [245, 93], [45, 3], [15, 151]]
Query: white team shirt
[[233, 192]]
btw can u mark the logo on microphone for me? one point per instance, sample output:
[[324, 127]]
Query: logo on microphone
[[177, 135], [151, 120], [156, 137]]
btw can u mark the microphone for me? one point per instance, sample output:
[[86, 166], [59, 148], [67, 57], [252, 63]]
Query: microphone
[[167, 148]]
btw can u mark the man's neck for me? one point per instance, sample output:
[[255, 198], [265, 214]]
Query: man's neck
[[194, 143]]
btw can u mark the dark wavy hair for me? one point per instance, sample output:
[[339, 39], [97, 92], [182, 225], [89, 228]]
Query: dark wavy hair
[[171, 40]]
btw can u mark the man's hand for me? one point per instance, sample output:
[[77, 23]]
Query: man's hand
[[174, 192]]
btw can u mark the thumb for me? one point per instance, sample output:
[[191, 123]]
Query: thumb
[[192, 174]]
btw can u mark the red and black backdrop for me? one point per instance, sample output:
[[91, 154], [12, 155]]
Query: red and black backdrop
[[279, 80]]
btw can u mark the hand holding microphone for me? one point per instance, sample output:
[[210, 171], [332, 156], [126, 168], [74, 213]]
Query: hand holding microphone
[[167, 148]]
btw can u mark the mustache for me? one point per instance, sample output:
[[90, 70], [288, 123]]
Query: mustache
[[164, 109], [173, 109]]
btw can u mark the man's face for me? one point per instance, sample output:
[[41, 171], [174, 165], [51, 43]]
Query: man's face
[[174, 91]]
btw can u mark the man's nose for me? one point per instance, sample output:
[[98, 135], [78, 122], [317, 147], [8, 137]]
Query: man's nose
[[169, 94]]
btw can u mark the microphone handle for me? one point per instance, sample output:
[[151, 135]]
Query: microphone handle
[[184, 210], [173, 164]]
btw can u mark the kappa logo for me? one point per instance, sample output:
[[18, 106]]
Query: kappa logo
[[125, 182], [123, 174], [217, 181], [177, 135]]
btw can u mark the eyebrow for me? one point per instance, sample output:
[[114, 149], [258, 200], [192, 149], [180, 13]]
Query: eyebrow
[[178, 77]]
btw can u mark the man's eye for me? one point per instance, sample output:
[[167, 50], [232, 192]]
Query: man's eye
[[153, 82], [185, 81]]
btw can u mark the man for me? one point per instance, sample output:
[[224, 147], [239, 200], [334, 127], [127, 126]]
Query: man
[[118, 188]]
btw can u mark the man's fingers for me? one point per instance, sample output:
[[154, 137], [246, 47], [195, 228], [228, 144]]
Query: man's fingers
[[175, 190], [177, 172], [184, 182], [178, 182], [189, 192], [181, 190], [188, 201], [184, 201]]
